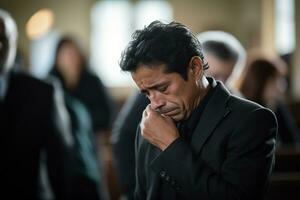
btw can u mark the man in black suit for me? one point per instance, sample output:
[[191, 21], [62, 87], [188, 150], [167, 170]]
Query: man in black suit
[[196, 140], [33, 127], [225, 55]]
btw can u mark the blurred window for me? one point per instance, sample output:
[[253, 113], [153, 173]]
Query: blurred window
[[42, 54], [285, 26], [113, 23], [39, 29]]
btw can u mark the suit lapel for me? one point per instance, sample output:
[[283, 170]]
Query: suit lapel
[[214, 112]]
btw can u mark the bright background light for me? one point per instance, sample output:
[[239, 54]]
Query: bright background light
[[39, 23], [111, 29], [113, 23], [148, 11], [285, 38], [39, 29]]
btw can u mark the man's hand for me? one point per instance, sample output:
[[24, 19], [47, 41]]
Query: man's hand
[[158, 129]]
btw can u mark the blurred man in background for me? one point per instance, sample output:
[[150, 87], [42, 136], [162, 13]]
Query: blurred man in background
[[225, 55], [33, 126]]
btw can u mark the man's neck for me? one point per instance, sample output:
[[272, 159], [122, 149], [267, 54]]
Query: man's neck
[[204, 87]]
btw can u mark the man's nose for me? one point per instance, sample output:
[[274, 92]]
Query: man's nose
[[156, 101]]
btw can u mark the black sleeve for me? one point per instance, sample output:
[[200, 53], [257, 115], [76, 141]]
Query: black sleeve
[[140, 178], [244, 173], [123, 137]]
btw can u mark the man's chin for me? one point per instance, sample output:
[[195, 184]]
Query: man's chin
[[176, 118], [175, 115]]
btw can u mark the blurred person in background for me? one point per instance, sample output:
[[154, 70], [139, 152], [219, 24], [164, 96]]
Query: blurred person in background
[[225, 55], [264, 82], [71, 66], [89, 107], [34, 126]]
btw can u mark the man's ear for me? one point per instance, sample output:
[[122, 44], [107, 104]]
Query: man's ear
[[195, 66]]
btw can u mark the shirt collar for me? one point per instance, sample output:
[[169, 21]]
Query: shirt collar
[[188, 126]]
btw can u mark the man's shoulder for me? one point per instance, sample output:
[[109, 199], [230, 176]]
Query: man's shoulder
[[29, 88], [243, 109], [240, 104]]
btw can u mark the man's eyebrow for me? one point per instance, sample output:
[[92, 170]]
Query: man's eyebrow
[[155, 86]]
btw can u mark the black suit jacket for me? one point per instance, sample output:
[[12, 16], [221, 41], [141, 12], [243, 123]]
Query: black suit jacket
[[230, 155], [31, 126]]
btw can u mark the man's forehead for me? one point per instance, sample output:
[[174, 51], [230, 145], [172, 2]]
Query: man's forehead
[[148, 76]]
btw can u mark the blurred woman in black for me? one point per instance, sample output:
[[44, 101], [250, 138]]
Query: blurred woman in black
[[89, 107], [264, 82]]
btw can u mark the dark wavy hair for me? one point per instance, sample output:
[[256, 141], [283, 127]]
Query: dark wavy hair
[[67, 39], [259, 71], [171, 44]]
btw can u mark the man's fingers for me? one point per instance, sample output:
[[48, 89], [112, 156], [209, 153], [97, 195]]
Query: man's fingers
[[169, 119], [146, 111], [153, 112]]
